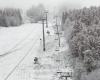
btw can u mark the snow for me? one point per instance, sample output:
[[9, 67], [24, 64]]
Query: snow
[[9, 37], [19, 46], [12, 36]]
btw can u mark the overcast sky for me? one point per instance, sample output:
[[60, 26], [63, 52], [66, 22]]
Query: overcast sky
[[49, 3]]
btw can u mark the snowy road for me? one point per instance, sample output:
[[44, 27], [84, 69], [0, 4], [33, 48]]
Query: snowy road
[[23, 40]]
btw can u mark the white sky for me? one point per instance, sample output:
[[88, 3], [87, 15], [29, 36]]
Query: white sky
[[50, 3]]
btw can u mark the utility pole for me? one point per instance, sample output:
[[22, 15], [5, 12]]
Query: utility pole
[[43, 34], [57, 30], [46, 13]]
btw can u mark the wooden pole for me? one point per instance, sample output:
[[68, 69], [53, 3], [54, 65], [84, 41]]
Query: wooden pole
[[58, 30], [43, 35], [46, 12]]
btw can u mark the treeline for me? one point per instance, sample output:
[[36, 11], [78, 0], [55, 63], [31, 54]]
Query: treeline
[[10, 17], [84, 41], [15, 17]]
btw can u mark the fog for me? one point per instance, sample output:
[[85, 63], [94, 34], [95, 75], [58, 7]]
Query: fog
[[25, 4]]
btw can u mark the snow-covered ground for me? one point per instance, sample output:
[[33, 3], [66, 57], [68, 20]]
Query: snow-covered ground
[[12, 37], [19, 46], [20, 39]]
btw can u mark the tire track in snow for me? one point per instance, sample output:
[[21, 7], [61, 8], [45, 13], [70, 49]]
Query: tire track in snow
[[34, 43], [14, 49]]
